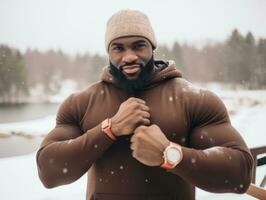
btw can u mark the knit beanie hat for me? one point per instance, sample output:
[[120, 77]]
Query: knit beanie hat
[[129, 23]]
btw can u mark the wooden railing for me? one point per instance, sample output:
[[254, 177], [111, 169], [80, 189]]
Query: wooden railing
[[255, 152], [257, 192], [253, 190]]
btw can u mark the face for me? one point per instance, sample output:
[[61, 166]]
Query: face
[[129, 54]]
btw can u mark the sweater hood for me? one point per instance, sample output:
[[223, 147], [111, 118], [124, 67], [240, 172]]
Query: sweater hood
[[163, 70]]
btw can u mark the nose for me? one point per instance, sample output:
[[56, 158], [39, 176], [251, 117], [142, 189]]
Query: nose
[[129, 57]]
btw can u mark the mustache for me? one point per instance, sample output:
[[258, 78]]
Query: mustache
[[120, 67]]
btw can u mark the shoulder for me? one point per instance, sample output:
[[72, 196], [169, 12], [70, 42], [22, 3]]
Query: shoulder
[[74, 106], [195, 94], [202, 106]]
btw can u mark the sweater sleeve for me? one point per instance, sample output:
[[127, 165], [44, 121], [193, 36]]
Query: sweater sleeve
[[217, 158], [66, 152]]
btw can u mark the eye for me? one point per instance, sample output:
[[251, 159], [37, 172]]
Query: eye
[[117, 48], [139, 46]]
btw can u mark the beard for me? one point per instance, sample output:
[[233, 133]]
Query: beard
[[133, 86]]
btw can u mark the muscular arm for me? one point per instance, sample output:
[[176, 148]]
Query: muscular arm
[[67, 153], [217, 159]]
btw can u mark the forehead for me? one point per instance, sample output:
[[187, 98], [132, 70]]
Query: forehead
[[129, 40]]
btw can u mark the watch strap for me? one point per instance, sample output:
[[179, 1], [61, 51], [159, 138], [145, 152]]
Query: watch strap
[[106, 128]]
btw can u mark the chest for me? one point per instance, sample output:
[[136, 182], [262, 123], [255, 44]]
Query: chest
[[166, 110]]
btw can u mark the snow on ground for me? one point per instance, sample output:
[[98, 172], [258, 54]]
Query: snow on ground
[[35, 127], [38, 93], [19, 179]]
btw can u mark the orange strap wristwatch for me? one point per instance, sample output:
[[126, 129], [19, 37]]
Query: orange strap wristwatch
[[106, 128], [172, 155]]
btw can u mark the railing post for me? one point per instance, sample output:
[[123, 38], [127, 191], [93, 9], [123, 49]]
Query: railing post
[[254, 168], [255, 152]]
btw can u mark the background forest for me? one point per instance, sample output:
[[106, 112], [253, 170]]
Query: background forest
[[239, 60]]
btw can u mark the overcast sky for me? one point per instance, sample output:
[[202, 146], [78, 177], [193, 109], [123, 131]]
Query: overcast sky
[[79, 25]]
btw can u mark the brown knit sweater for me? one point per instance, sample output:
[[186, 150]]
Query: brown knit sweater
[[215, 159]]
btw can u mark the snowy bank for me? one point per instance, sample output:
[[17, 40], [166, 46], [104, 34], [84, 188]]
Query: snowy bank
[[35, 127]]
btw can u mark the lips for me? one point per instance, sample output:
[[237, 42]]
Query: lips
[[131, 69]]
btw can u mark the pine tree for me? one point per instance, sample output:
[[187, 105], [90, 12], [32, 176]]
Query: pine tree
[[13, 84], [261, 62], [234, 58], [178, 56]]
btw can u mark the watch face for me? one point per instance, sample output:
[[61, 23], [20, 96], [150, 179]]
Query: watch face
[[173, 155]]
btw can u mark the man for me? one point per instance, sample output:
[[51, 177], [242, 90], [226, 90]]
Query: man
[[143, 132]]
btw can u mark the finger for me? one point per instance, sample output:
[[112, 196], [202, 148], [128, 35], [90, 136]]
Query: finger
[[145, 114], [133, 138], [136, 100], [138, 130], [133, 146], [144, 108], [141, 101], [145, 122], [134, 154]]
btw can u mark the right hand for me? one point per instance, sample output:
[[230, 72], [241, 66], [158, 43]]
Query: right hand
[[131, 114]]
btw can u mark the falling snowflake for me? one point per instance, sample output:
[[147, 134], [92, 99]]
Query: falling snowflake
[[193, 160], [170, 98], [212, 140], [183, 139], [65, 170], [51, 161], [205, 133], [184, 89], [69, 141]]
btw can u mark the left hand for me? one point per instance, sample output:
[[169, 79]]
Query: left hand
[[148, 144]]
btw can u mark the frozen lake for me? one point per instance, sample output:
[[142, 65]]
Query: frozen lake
[[25, 112]]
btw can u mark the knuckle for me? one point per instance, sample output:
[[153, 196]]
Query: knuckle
[[144, 107], [153, 126], [137, 137], [141, 128], [138, 113], [131, 146], [134, 139], [134, 105], [140, 118], [137, 106], [147, 122], [134, 154]]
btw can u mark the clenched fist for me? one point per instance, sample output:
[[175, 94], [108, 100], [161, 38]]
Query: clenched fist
[[131, 114], [148, 144]]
